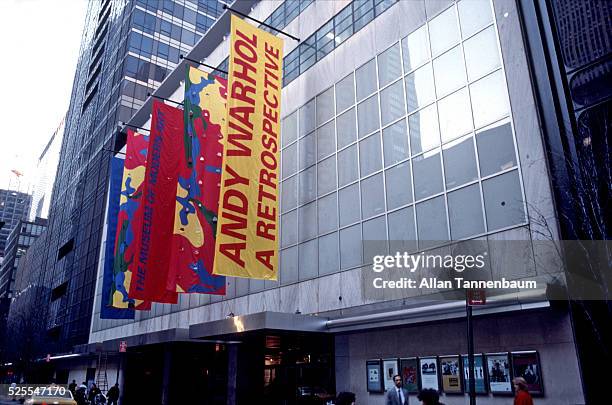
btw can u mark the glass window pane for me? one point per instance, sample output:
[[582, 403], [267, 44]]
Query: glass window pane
[[343, 22], [308, 150], [328, 254], [347, 165], [415, 49], [473, 15], [372, 196], [374, 237], [443, 31], [325, 40], [395, 142], [455, 115], [307, 224], [288, 266], [367, 113], [307, 53], [289, 194], [489, 99], [370, 155], [392, 103], [289, 228], [365, 77], [459, 162], [431, 221], [307, 118], [363, 12], [347, 204], [449, 71], [345, 127], [481, 53], [289, 160], [350, 247], [503, 201], [420, 88], [326, 176], [465, 212], [399, 187], [325, 106], [326, 140], [389, 65], [427, 174], [307, 190], [495, 148], [307, 267], [328, 213], [289, 129], [402, 235], [345, 93], [424, 133]]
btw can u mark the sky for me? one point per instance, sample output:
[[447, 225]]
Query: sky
[[39, 48]]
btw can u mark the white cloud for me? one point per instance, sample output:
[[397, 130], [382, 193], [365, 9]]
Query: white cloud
[[39, 48]]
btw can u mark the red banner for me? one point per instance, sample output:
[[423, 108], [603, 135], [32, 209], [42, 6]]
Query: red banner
[[156, 214]]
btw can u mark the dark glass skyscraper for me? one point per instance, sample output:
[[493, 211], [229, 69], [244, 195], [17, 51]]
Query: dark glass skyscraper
[[14, 206], [128, 48], [570, 46]]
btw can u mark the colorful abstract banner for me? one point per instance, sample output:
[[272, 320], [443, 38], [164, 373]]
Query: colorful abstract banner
[[107, 311], [153, 237], [131, 197], [197, 200], [247, 233]]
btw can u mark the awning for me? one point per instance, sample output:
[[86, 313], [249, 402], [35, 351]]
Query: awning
[[257, 322]]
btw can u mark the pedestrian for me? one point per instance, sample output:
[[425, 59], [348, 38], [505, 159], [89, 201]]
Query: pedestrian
[[345, 398], [81, 395], [429, 396], [14, 389], [397, 395], [93, 392], [72, 387], [522, 396], [113, 395]]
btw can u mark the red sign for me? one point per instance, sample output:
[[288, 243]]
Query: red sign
[[122, 346], [477, 297], [155, 216]]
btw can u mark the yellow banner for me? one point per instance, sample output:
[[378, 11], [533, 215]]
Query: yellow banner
[[247, 227]]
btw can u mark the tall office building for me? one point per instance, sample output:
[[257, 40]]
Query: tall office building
[[570, 48], [406, 126], [20, 239], [410, 125], [128, 48], [14, 206], [46, 169]]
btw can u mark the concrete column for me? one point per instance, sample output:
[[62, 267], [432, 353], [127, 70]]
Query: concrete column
[[232, 372], [166, 375]]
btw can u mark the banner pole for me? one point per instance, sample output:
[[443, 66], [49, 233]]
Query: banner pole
[[203, 64], [125, 124], [226, 7], [164, 99]]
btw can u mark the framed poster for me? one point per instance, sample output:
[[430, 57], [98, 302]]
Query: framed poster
[[428, 369], [527, 365], [479, 374], [389, 369], [450, 368], [498, 366], [374, 375], [409, 372]]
